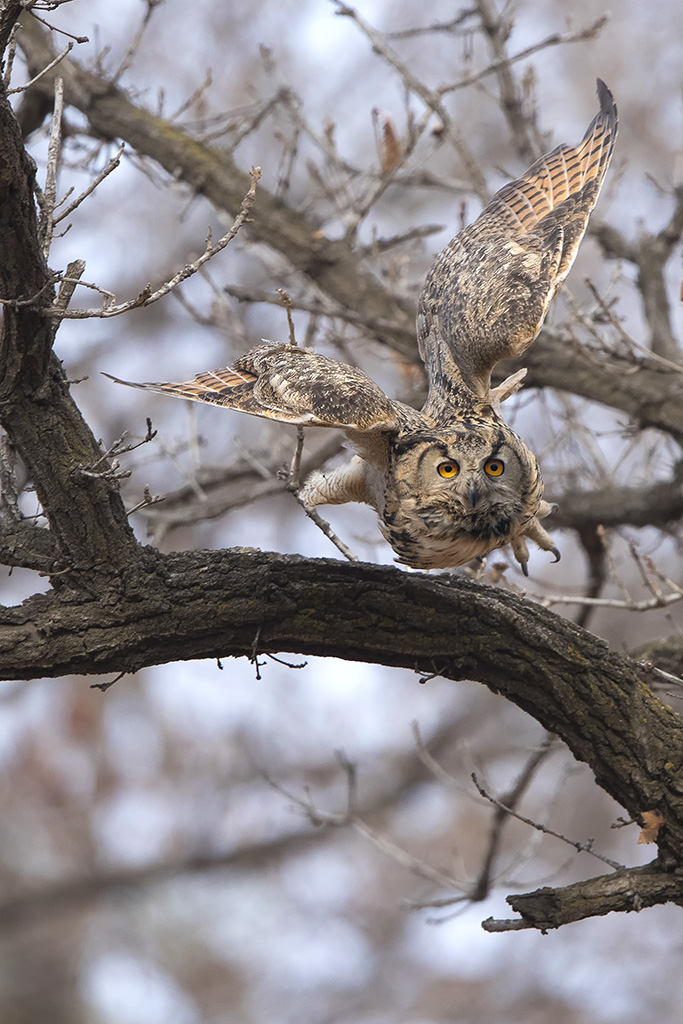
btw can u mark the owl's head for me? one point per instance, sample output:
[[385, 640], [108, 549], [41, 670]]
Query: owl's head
[[483, 481]]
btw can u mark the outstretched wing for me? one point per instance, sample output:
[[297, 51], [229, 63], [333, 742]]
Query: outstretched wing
[[293, 385], [489, 290]]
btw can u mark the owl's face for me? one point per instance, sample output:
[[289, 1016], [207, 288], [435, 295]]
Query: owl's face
[[450, 494]]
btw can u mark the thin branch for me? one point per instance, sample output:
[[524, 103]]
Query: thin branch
[[323, 525], [147, 296], [112, 165], [100, 467], [378, 245], [548, 600], [287, 303], [481, 887], [293, 482], [147, 499], [497, 31], [556, 39], [74, 271], [443, 26], [55, 28], [36, 78], [657, 336], [586, 847], [349, 818], [49, 195], [501, 816], [430, 98], [134, 46]]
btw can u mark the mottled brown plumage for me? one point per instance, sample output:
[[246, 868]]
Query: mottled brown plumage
[[453, 481], [489, 290]]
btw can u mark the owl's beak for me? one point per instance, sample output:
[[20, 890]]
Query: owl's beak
[[473, 495]]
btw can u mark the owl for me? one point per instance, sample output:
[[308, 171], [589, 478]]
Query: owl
[[451, 482]]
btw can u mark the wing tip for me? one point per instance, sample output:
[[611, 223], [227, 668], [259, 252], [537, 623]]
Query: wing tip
[[607, 103], [117, 380]]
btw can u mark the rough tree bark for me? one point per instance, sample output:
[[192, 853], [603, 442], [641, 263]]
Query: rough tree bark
[[118, 606]]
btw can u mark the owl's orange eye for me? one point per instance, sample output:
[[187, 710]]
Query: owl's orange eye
[[494, 467], [448, 469]]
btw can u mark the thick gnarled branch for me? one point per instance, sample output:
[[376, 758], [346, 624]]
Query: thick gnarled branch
[[209, 604]]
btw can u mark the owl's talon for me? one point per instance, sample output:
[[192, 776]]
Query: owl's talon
[[558, 556], [525, 569], [554, 507]]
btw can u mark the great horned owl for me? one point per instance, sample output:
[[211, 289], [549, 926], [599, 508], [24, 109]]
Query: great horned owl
[[453, 481]]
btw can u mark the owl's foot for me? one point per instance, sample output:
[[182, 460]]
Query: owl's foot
[[534, 531], [337, 486], [547, 508], [521, 552], [508, 387]]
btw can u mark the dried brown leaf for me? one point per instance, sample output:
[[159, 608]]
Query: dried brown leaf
[[652, 822], [391, 148]]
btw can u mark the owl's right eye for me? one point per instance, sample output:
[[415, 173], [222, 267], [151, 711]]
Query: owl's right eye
[[448, 469]]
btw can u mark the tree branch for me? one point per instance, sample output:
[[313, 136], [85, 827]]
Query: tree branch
[[658, 505], [89, 524], [623, 891], [212, 604], [648, 393]]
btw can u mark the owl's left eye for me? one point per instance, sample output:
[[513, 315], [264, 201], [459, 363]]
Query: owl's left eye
[[448, 469], [494, 467]]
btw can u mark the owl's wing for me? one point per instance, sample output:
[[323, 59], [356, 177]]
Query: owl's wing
[[489, 290], [292, 385]]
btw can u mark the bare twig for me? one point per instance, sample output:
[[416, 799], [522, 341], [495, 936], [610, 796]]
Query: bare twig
[[147, 499], [496, 29], [99, 469], [112, 165], [53, 63], [55, 28], [556, 39], [287, 303], [586, 847], [663, 601], [74, 270], [103, 687], [430, 98], [349, 818], [383, 244], [132, 50], [509, 924], [293, 482], [610, 318], [147, 296], [294, 476], [322, 307], [328, 531], [452, 26], [481, 887], [49, 195]]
